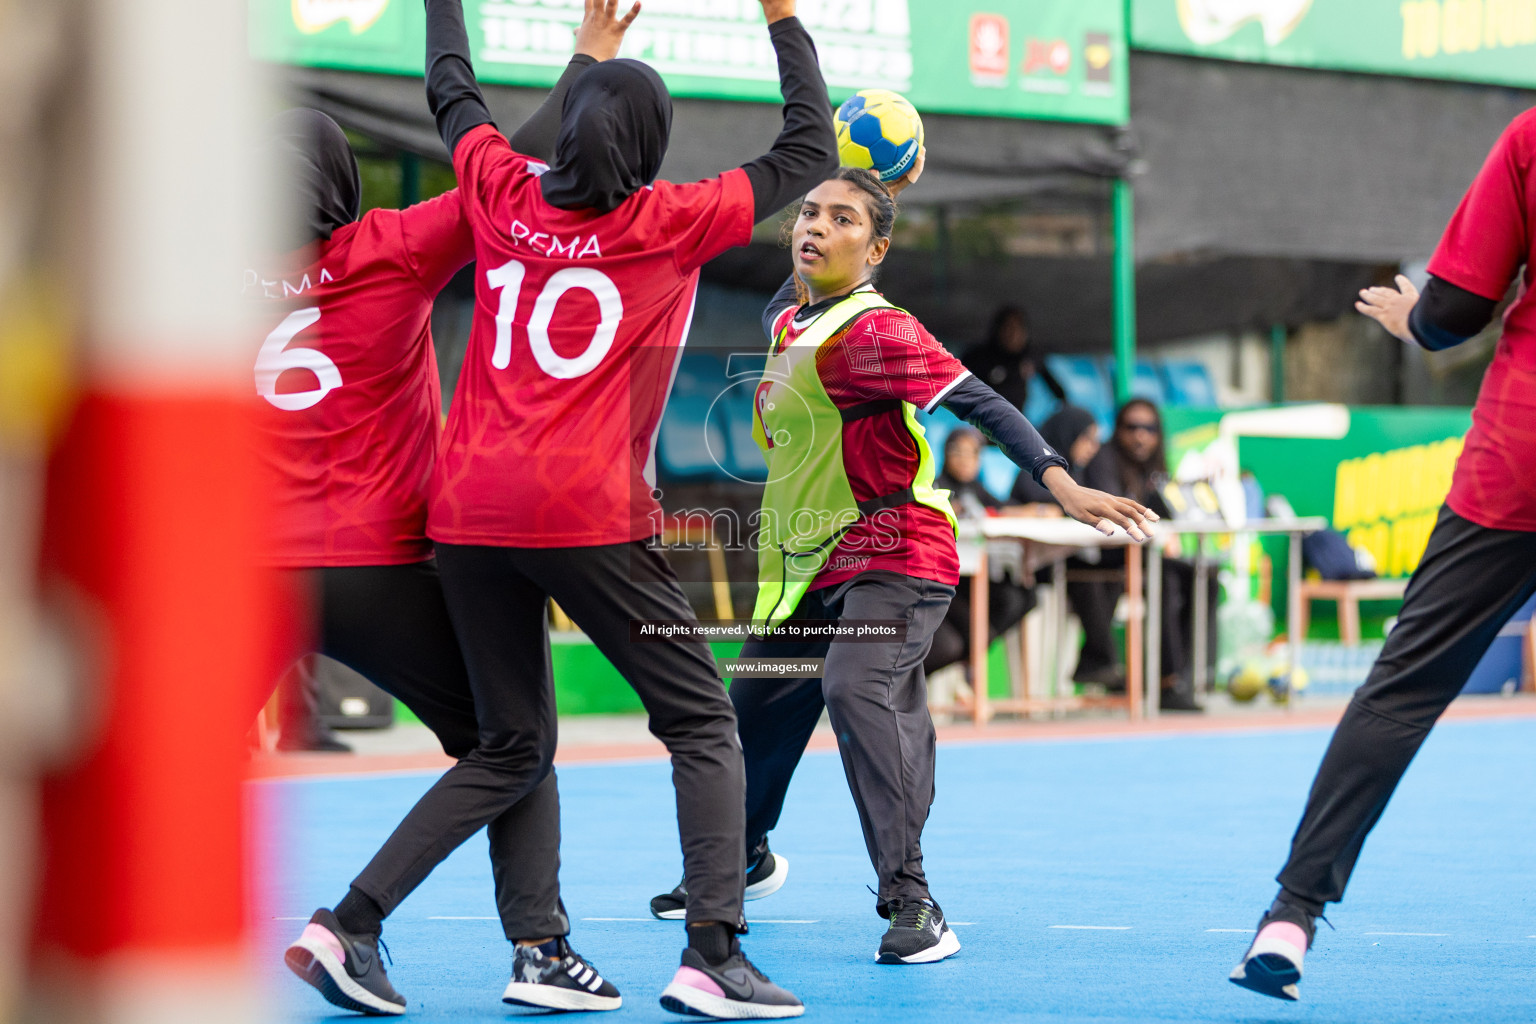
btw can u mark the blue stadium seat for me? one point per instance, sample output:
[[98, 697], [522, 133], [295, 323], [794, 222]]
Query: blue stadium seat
[[699, 372], [998, 472], [687, 435], [1083, 379], [1189, 383], [734, 412], [1146, 382], [936, 428], [1041, 403]]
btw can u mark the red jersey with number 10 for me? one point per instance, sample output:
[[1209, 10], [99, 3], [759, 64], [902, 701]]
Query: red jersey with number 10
[[349, 405], [580, 318]]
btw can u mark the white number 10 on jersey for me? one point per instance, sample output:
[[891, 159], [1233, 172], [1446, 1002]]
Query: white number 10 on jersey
[[508, 278]]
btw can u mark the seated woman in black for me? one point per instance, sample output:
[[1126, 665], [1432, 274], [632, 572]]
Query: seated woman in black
[[1008, 600], [1134, 465]]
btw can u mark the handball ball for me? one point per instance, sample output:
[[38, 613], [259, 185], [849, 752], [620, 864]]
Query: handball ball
[[1245, 683], [879, 130], [1285, 681]]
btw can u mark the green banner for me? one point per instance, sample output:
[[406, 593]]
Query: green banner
[[1054, 59], [1469, 40], [1381, 484]]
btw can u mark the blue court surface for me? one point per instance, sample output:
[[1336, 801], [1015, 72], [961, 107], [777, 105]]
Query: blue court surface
[[1099, 880]]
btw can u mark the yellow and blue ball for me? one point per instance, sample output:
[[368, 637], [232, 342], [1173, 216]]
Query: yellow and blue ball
[[879, 130], [1285, 682], [1246, 683]]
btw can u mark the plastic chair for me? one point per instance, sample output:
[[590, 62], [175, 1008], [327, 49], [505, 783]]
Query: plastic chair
[[1041, 405], [1146, 382], [1084, 381], [998, 472], [733, 411], [1189, 383], [937, 426], [688, 441]]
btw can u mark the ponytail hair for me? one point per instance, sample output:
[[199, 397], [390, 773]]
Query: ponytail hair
[[878, 200]]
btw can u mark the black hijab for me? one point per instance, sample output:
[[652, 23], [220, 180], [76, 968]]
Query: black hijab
[[319, 171], [1064, 427], [613, 135]]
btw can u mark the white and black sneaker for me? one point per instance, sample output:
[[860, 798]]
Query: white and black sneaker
[[917, 935], [731, 990], [555, 977], [764, 878], [1272, 965], [343, 967]]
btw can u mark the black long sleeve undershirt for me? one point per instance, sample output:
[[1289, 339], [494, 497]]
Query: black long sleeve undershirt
[[805, 153], [1446, 315], [989, 412], [453, 95]]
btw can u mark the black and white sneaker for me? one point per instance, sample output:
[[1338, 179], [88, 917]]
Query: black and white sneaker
[[917, 935], [343, 967], [1272, 965], [732, 990], [764, 878], [555, 977]]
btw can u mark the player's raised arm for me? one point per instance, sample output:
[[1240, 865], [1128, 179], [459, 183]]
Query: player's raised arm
[[805, 153], [598, 38], [455, 99], [453, 95]]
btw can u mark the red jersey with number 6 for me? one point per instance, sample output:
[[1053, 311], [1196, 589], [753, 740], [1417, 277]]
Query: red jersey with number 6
[[349, 405], [580, 318]]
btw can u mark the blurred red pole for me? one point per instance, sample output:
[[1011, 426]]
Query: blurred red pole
[[149, 516]]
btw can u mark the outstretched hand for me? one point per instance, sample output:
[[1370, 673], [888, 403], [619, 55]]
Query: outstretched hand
[[777, 10], [601, 31], [1390, 306], [909, 179], [1099, 510]]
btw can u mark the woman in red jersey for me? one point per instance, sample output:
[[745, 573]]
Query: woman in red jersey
[[350, 412], [587, 270], [1479, 566], [834, 415]]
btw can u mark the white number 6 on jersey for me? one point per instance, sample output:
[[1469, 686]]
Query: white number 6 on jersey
[[275, 357]]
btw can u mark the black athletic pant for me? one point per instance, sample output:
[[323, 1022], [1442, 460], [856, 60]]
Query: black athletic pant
[[497, 598], [877, 697], [390, 624], [1471, 580]]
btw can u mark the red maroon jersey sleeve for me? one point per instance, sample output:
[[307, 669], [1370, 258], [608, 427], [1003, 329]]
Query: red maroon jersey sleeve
[[705, 218], [437, 240], [1490, 235], [485, 165], [888, 354]]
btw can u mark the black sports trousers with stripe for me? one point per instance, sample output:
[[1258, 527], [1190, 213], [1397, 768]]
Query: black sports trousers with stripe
[[877, 697], [390, 623], [1470, 581], [497, 598]]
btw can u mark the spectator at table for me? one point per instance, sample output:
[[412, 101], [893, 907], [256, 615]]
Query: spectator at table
[[1134, 464], [1006, 361], [1074, 433], [1008, 600]]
